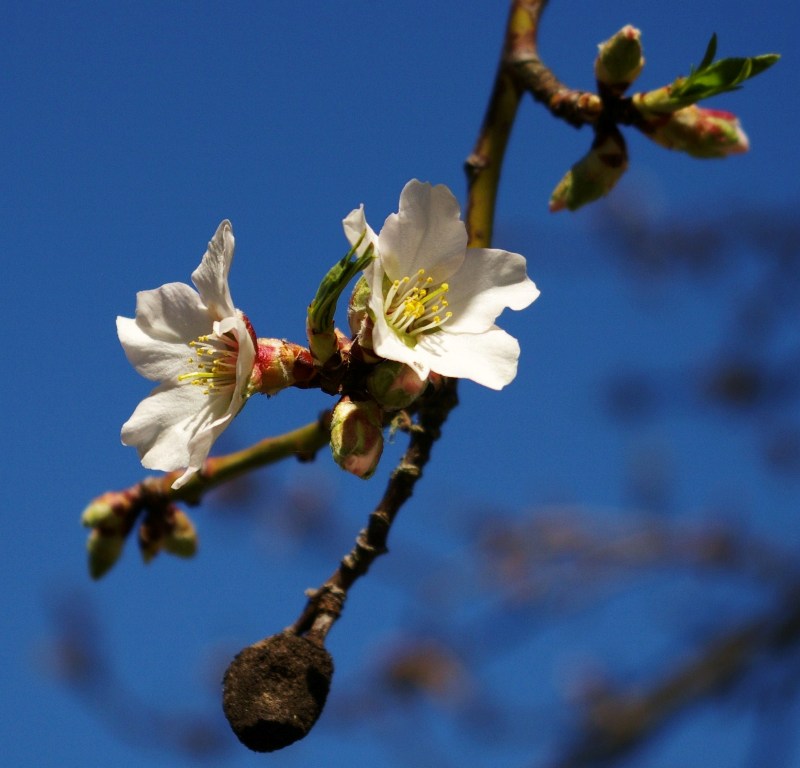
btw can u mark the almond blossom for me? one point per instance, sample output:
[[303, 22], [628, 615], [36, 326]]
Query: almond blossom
[[202, 351], [432, 300]]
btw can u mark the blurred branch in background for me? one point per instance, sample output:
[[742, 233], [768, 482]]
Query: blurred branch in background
[[747, 262]]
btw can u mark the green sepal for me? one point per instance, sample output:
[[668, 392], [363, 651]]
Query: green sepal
[[321, 311]]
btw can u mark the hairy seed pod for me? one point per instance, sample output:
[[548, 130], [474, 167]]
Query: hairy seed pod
[[275, 689]]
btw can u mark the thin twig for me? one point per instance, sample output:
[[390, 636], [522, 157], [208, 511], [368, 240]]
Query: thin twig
[[325, 604], [617, 722]]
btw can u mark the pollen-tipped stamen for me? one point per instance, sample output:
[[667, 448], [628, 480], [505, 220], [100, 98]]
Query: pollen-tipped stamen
[[215, 363], [411, 308]]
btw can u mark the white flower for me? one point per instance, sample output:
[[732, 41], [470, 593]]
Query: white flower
[[202, 350], [433, 301]]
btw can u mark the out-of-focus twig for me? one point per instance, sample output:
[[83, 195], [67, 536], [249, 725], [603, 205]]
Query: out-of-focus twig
[[618, 721]]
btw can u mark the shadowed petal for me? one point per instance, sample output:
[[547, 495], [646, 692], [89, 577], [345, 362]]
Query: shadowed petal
[[355, 224], [489, 281], [173, 313], [153, 358], [426, 233], [211, 277], [488, 358]]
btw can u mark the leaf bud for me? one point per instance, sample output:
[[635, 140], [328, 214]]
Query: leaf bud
[[594, 175], [700, 132], [619, 61]]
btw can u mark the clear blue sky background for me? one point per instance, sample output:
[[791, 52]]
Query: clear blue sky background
[[130, 130]]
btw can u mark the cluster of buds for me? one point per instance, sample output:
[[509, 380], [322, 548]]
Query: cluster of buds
[[668, 115], [619, 62], [168, 529], [111, 518]]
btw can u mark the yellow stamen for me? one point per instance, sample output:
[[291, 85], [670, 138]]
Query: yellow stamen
[[411, 308]]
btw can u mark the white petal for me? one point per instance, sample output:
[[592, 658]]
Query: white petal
[[211, 277], [173, 313], [489, 281], [164, 423], [153, 358], [387, 344], [245, 359], [488, 358], [426, 233], [355, 225], [385, 341]]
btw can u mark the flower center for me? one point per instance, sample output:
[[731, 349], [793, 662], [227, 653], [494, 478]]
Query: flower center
[[214, 363], [412, 306]]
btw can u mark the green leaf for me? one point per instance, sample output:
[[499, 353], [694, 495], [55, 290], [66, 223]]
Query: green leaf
[[714, 77], [711, 51]]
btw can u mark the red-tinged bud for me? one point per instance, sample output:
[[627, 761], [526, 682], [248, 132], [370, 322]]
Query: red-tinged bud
[[280, 364], [619, 61], [357, 436], [113, 511], [699, 132], [594, 175], [394, 385]]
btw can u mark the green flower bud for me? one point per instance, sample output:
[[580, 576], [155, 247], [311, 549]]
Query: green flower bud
[[100, 512], [699, 132], [619, 61], [594, 175], [357, 436], [104, 550], [394, 385], [181, 537]]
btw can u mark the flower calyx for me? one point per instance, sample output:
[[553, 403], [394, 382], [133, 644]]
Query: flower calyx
[[280, 364]]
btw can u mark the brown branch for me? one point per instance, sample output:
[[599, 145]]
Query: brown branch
[[483, 175], [325, 604]]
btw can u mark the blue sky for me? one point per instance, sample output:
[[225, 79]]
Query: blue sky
[[132, 129]]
